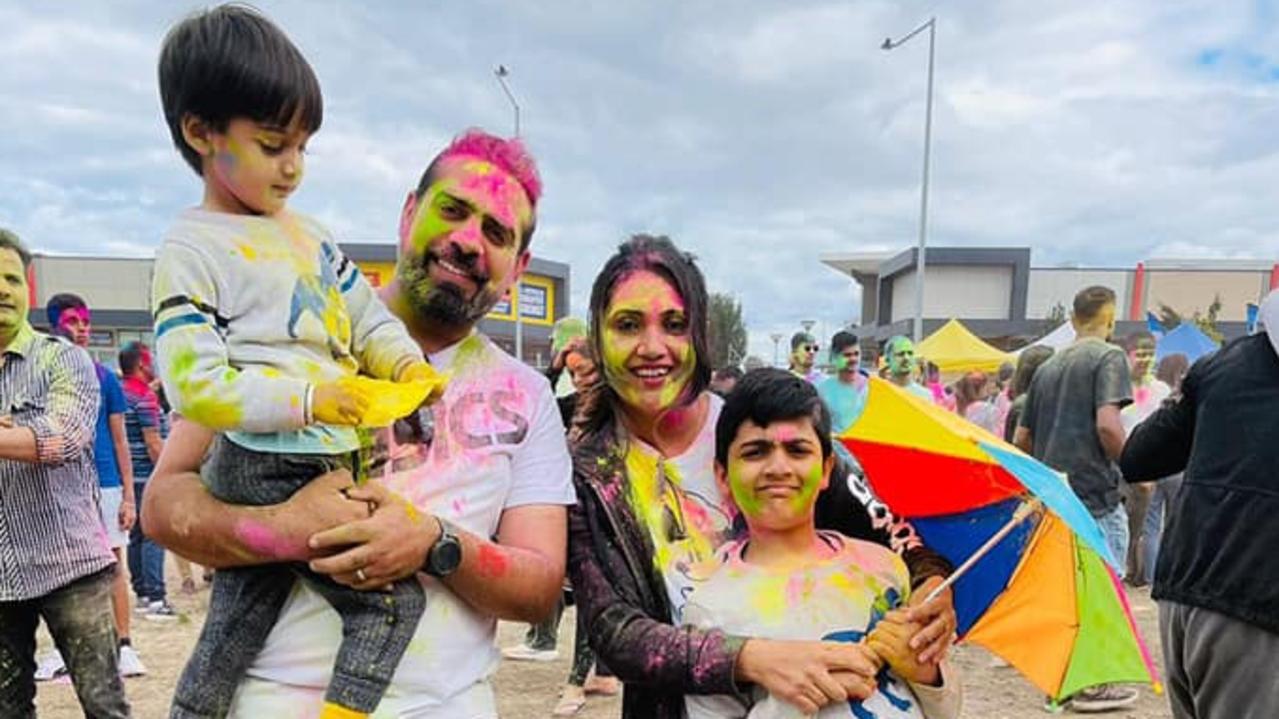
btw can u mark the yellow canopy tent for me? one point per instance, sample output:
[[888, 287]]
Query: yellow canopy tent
[[956, 350]]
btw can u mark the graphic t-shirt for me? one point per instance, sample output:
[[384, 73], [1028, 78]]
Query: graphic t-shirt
[[837, 598], [112, 402], [251, 312], [494, 442], [1061, 414], [678, 501]]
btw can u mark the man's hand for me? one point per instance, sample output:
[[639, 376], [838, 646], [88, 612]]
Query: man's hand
[[809, 675], [890, 641], [937, 618], [340, 403], [128, 513], [320, 504], [389, 545]]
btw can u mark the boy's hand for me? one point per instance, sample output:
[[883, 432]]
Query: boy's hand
[[423, 372], [342, 402], [890, 640]]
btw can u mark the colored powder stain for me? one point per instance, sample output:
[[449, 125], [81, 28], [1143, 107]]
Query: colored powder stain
[[493, 563], [264, 542], [653, 503], [248, 251], [743, 494], [458, 507], [199, 398]]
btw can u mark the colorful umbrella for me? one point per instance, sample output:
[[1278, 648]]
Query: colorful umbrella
[[1032, 583]]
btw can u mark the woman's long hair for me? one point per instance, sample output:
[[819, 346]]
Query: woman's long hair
[[656, 254]]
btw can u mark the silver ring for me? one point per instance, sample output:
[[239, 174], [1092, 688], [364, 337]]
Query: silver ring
[[359, 574]]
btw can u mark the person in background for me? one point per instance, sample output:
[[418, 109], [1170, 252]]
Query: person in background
[[1071, 422], [1171, 371], [899, 353], [725, 379], [1217, 579], [844, 392], [943, 396], [1148, 394], [69, 315], [146, 427], [55, 563], [803, 352], [1003, 403], [1027, 364], [973, 402]]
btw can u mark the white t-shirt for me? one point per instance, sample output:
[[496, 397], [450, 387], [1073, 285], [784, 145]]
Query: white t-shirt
[[1146, 398], [688, 532], [498, 443], [839, 598]]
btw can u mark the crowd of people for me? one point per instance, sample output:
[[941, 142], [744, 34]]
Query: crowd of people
[[360, 569]]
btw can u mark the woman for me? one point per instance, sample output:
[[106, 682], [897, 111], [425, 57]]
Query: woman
[[1027, 365], [649, 508]]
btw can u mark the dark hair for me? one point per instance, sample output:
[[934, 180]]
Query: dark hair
[[730, 372], [231, 62], [10, 241], [1005, 373], [510, 156], [842, 340], [1137, 337], [1027, 364], [62, 301], [800, 338], [656, 254], [131, 357], [1090, 300], [770, 395], [1172, 369]]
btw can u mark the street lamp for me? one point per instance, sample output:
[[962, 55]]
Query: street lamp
[[501, 73], [776, 337], [889, 44]]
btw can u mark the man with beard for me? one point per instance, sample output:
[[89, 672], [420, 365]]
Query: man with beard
[[488, 460]]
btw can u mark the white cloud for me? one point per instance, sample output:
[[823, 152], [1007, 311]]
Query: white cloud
[[757, 134]]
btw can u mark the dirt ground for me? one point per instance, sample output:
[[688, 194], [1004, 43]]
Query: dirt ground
[[526, 689]]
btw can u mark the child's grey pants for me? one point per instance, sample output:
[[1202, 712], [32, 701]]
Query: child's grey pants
[[246, 601]]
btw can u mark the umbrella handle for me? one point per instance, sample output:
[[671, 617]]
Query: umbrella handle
[[1022, 513]]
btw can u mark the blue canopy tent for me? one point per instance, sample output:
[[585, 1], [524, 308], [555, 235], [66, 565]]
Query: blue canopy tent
[[1186, 339]]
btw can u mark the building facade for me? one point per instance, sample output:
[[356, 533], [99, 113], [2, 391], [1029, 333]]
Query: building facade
[[118, 290], [1001, 297]]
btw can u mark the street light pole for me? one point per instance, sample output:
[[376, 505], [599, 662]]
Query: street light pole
[[920, 262], [501, 73]]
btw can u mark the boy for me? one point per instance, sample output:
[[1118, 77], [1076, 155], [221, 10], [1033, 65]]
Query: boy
[[786, 580], [261, 327]]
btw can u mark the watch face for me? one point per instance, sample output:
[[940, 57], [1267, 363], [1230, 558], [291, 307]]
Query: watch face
[[446, 555]]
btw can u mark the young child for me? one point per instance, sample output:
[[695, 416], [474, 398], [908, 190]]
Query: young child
[[787, 580], [261, 328]]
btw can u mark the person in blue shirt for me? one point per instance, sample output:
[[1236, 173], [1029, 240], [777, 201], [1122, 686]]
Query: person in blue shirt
[[844, 393], [69, 316]]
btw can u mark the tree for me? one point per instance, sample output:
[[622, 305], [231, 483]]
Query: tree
[[1206, 321], [1056, 317], [728, 332]]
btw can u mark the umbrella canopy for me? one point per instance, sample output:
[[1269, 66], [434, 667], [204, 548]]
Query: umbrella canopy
[[955, 350], [1046, 597], [1185, 339]]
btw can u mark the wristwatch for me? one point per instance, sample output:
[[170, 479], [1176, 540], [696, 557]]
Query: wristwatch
[[445, 556]]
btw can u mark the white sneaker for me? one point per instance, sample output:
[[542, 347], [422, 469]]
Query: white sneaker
[[525, 653], [160, 611], [141, 606], [130, 663], [50, 667]]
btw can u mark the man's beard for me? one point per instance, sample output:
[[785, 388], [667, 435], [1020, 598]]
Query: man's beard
[[443, 303]]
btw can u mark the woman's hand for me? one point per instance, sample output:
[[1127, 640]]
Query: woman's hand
[[937, 618], [809, 675], [390, 544]]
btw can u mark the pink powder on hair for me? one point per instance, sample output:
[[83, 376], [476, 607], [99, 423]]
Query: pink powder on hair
[[509, 155]]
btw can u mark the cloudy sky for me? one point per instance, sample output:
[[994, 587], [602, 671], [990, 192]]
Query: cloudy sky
[[757, 134]]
